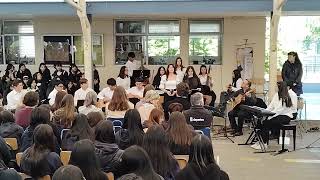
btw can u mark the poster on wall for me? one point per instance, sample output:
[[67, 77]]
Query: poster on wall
[[57, 49], [244, 58]]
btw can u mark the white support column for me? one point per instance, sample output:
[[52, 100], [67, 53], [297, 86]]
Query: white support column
[[184, 41], [277, 10]]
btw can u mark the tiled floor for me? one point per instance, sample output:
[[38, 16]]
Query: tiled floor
[[241, 163]]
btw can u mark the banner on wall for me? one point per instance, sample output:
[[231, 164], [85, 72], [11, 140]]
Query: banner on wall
[[244, 58]]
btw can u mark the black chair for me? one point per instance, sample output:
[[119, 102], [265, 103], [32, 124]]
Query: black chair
[[284, 128]]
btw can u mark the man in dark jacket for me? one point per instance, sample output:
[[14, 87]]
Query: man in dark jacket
[[246, 97], [182, 98], [197, 115]]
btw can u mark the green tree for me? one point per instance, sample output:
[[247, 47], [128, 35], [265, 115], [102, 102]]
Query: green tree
[[313, 37]]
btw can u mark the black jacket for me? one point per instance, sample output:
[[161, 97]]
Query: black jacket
[[11, 130], [122, 138], [24, 73], [6, 173], [156, 81], [109, 156], [198, 117], [62, 77], [192, 171], [193, 82], [291, 73]]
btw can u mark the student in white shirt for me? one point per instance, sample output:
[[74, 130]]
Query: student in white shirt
[[169, 82], [179, 68], [136, 91], [284, 105], [15, 97], [90, 103], [81, 93], [123, 79], [236, 80], [131, 63], [58, 86], [106, 94]]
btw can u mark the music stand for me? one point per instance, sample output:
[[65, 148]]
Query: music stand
[[145, 74]]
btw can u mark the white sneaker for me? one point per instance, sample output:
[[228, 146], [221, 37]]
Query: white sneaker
[[257, 146]]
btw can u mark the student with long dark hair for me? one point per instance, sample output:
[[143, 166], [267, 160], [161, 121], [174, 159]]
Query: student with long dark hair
[[96, 79], [157, 77], [292, 72], [135, 160], [201, 164], [38, 84], [60, 74], [45, 72], [57, 101], [191, 78], [23, 71], [65, 116], [155, 141], [180, 69], [179, 134], [40, 159], [284, 104], [169, 83], [84, 157], [106, 148], [74, 79], [68, 172], [132, 131], [123, 78], [7, 79]]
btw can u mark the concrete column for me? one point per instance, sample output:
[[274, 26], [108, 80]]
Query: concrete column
[[184, 41]]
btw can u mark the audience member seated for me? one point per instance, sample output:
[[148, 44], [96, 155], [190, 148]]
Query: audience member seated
[[94, 118], [23, 113], [284, 104], [106, 94], [5, 157], [123, 78], [84, 157], [8, 128], [155, 141], [137, 90], [57, 102], [106, 148], [96, 79], [132, 131], [179, 134], [74, 79], [81, 93], [60, 74], [40, 159], [65, 116], [68, 172], [191, 78], [197, 115], [90, 104], [157, 77], [23, 71], [156, 117], [182, 98], [58, 86], [119, 104], [147, 88], [201, 164], [135, 160], [14, 98], [151, 101], [244, 96], [80, 130], [39, 115]]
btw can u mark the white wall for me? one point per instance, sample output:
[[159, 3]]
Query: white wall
[[236, 29]]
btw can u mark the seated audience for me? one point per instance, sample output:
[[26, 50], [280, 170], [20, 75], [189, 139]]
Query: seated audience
[[147, 88], [106, 94], [191, 78], [244, 96], [201, 164], [96, 79], [131, 132], [284, 104], [40, 159], [57, 102], [68, 172], [123, 78], [81, 93], [179, 134], [156, 117], [94, 118], [8, 128], [181, 97], [137, 90], [155, 141], [136, 161], [157, 77], [175, 107], [58, 86], [60, 74], [23, 71], [119, 104], [74, 79], [197, 115], [151, 101], [106, 148], [65, 116], [39, 115], [23, 113], [90, 103], [84, 157], [80, 130], [5, 157], [14, 98]]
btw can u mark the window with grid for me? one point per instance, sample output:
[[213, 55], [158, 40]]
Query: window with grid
[[18, 41], [205, 42]]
